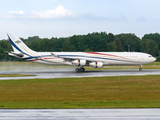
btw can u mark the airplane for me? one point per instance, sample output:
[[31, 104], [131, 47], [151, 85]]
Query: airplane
[[79, 59]]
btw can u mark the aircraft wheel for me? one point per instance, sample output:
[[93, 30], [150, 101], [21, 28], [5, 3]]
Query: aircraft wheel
[[82, 69], [140, 69], [77, 69]]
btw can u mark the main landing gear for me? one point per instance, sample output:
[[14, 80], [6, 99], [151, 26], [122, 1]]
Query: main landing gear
[[140, 69], [80, 69]]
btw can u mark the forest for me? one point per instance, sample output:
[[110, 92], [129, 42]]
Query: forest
[[97, 42]]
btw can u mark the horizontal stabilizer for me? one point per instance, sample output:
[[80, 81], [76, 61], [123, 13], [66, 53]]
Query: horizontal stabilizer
[[20, 55]]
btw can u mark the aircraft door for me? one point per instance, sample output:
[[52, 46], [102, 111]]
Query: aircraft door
[[142, 57]]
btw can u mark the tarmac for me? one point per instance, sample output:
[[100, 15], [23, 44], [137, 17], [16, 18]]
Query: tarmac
[[71, 73], [79, 114]]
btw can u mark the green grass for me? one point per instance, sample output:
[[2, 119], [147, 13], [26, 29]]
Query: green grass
[[79, 104], [94, 92], [14, 75]]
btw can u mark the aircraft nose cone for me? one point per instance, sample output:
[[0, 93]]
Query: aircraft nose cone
[[154, 59]]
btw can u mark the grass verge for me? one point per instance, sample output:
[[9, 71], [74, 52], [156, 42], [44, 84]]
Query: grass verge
[[14, 75], [94, 92]]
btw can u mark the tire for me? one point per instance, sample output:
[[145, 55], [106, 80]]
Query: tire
[[82, 69], [140, 69], [77, 70]]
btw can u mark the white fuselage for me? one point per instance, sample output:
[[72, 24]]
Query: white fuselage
[[108, 58]]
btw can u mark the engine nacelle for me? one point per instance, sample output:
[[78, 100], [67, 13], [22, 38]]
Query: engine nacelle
[[96, 64], [79, 62]]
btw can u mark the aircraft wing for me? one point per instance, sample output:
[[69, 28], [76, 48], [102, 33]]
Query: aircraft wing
[[81, 60], [69, 58]]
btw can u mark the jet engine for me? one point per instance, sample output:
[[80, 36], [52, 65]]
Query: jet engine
[[96, 64], [79, 62]]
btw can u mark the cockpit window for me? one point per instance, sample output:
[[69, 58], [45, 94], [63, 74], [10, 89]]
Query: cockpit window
[[150, 56]]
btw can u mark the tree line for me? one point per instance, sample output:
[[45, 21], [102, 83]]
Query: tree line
[[96, 42]]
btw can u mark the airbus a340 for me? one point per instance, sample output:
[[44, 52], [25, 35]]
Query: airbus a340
[[79, 59]]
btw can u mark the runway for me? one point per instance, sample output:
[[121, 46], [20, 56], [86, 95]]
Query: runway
[[80, 114], [69, 74]]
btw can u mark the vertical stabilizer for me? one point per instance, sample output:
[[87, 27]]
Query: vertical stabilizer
[[19, 46]]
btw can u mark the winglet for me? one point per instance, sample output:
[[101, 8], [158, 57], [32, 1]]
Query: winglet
[[54, 55]]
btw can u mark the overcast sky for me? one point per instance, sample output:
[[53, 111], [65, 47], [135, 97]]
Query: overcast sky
[[63, 18]]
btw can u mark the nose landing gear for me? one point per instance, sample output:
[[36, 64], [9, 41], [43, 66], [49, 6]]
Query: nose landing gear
[[140, 69]]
